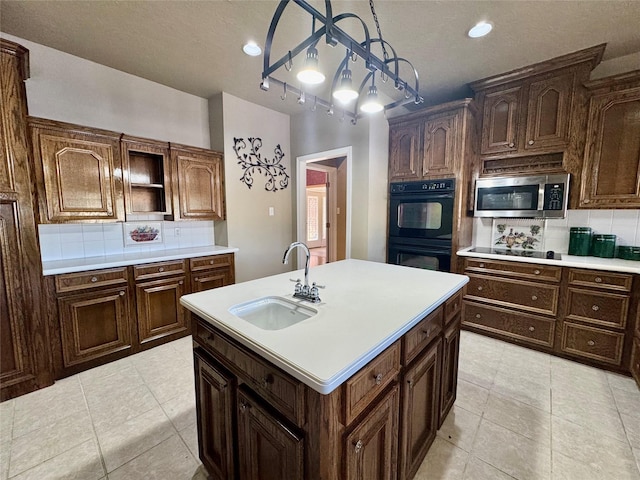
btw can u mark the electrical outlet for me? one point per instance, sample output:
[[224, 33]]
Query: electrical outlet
[[272, 211], [176, 232]]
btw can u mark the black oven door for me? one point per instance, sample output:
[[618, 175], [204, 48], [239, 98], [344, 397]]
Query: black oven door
[[421, 216], [435, 256]]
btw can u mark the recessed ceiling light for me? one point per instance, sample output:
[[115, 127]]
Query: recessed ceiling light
[[252, 49], [480, 29]]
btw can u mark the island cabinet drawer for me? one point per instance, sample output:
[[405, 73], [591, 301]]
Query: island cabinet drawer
[[371, 380], [212, 261], [593, 343], [159, 269], [416, 339], [281, 390], [452, 307], [602, 308], [531, 296], [521, 326], [527, 271], [600, 279], [71, 282]]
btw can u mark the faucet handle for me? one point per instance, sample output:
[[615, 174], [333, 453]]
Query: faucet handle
[[295, 280], [314, 284]]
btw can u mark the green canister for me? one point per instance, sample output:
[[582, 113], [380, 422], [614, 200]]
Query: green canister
[[580, 241], [628, 253], [603, 246]]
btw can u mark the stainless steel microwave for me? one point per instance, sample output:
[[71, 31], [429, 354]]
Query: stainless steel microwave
[[540, 196]]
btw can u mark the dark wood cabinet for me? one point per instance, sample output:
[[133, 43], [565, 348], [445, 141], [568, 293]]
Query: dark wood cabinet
[[79, 172], [24, 343], [215, 393], [611, 170], [198, 183], [449, 376], [500, 120], [440, 137], [420, 409], [405, 153], [212, 272], [635, 360]]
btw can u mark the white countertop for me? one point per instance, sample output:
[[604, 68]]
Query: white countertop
[[366, 306], [56, 267], [593, 263]]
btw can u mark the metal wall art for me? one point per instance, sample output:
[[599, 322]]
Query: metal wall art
[[252, 162]]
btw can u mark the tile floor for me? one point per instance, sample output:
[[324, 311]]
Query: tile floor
[[519, 414]]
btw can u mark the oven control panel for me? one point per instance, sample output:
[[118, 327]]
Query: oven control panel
[[446, 185]]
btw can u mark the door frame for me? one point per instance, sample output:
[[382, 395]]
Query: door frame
[[301, 193]]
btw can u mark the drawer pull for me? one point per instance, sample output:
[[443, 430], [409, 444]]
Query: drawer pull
[[358, 446], [591, 343], [511, 145], [532, 329], [478, 315], [94, 279], [481, 265], [161, 269], [480, 288], [243, 406], [180, 282], [536, 272], [267, 380], [595, 308], [531, 142], [427, 331], [122, 294], [196, 279], [534, 298], [210, 262], [378, 379], [598, 280]]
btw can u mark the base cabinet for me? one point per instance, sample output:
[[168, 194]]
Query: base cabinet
[[449, 378]]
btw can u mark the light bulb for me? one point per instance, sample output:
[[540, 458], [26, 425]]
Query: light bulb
[[310, 73], [345, 92], [371, 104]]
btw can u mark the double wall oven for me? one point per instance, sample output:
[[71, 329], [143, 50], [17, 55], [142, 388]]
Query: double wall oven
[[421, 224]]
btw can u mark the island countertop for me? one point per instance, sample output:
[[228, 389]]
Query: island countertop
[[366, 306]]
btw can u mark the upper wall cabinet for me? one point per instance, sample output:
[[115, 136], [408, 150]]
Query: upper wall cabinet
[[611, 173], [79, 172], [404, 152], [198, 183], [147, 176]]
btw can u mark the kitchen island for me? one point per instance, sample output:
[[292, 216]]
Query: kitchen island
[[358, 390]]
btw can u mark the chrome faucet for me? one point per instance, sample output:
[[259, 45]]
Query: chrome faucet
[[305, 291]]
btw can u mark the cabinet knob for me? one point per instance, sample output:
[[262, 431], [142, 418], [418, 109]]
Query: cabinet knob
[[481, 265], [94, 279], [427, 331], [598, 280], [480, 288], [595, 308], [586, 200], [534, 297], [536, 272], [530, 142], [591, 343], [378, 379], [122, 294], [267, 380], [478, 315], [532, 329], [196, 279], [243, 406], [511, 145], [180, 282], [161, 269], [210, 262], [358, 446]]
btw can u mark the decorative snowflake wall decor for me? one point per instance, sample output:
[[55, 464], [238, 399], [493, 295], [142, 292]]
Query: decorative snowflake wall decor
[[277, 177]]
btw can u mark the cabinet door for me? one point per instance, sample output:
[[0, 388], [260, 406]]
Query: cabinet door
[[81, 175], [371, 450], [267, 449], [611, 171], [449, 379], [404, 152], [548, 112], [208, 279], [421, 390], [159, 311], [199, 194], [440, 135], [94, 324], [500, 121], [215, 409]]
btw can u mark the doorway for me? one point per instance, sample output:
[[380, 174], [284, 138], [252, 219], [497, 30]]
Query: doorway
[[324, 205]]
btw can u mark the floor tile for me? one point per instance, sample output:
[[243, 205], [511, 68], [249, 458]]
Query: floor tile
[[105, 382], [512, 453], [172, 387], [104, 370], [479, 470], [79, 463], [460, 428], [514, 374], [134, 437], [477, 373], [7, 410], [566, 468], [471, 397], [181, 410], [627, 402], [35, 447], [189, 435], [122, 405], [632, 428], [524, 391], [519, 417], [636, 454], [5, 451], [170, 460], [622, 382], [444, 461]]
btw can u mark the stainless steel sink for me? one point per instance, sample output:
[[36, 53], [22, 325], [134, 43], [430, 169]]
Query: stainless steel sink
[[272, 313]]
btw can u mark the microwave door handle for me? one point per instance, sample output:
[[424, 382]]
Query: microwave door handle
[[540, 206]]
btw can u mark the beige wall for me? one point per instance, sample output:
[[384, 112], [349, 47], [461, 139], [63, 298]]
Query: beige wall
[[262, 239], [70, 89]]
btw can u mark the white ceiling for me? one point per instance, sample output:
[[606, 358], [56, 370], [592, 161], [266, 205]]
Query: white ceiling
[[195, 46]]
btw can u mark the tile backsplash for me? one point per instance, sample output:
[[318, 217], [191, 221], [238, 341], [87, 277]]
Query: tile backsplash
[[622, 223], [66, 241]]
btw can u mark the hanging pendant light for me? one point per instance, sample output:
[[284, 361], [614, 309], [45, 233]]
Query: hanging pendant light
[[345, 93], [310, 73], [372, 104]]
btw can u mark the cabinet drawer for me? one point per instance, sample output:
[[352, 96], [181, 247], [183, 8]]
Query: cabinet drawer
[[213, 261], [534, 297], [601, 308], [594, 343], [364, 386], [70, 282], [635, 360], [515, 269], [421, 335], [281, 390], [521, 326], [159, 269], [600, 279], [452, 307]]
